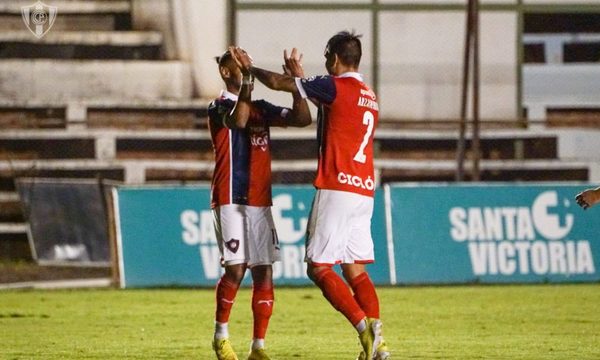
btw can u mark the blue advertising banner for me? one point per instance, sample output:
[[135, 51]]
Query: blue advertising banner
[[380, 270], [166, 236], [492, 234], [162, 233], [423, 234]]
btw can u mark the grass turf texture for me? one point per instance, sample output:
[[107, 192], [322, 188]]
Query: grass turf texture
[[479, 322]]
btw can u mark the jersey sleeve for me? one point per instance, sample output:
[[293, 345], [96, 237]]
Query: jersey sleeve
[[219, 110], [263, 112], [321, 88]]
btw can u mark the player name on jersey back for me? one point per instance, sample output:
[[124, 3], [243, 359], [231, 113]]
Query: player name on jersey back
[[368, 102]]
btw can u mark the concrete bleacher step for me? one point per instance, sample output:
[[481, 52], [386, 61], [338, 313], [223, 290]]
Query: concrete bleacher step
[[423, 145], [132, 114], [13, 228], [98, 15], [123, 45], [491, 170], [574, 118], [14, 244], [123, 114], [186, 144], [35, 148], [70, 80], [10, 208], [31, 118], [102, 144], [105, 144], [31, 170], [71, 6], [494, 146], [138, 171], [9, 196], [578, 88], [101, 149]]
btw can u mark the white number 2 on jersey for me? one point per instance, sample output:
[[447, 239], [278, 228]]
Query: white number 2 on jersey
[[368, 119]]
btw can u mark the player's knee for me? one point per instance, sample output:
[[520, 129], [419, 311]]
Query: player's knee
[[313, 271], [262, 274], [347, 276], [310, 272], [310, 275], [235, 273], [351, 271]]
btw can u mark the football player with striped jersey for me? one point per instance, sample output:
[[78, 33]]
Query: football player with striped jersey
[[339, 228], [241, 196]]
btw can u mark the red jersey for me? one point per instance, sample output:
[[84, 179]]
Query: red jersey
[[242, 156], [347, 119]]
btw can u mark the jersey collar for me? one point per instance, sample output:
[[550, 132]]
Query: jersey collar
[[227, 95], [357, 76]]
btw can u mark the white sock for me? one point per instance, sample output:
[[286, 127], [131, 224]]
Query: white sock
[[361, 326], [258, 344], [221, 330]]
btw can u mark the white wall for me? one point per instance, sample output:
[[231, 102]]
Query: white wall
[[421, 64], [195, 31], [420, 60], [155, 15]]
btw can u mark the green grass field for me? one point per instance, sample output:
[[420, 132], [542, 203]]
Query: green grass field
[[478, 322]]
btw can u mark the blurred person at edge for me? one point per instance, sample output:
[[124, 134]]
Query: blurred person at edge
[[588, 198]]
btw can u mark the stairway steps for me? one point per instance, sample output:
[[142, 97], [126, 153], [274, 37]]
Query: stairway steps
[[99, 15], [101, 45], [69, 7], [72, 80]]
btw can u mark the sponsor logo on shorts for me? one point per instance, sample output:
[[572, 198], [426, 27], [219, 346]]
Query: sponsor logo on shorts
[[233, 245]]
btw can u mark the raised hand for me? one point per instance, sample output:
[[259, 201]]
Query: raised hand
[[241, 58], [588, 198], [293, 64]]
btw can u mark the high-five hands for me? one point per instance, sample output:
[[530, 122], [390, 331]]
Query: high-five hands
[[241, 58], [293, 64]]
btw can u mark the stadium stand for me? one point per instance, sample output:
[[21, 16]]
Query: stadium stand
[[60, 93], [562, 48], [80, 104]]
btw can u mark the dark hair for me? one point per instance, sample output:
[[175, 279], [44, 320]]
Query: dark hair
[[221, 60], [347, 46]]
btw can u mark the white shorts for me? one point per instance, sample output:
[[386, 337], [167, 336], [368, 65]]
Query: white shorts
[[246, 235], [339, 229]]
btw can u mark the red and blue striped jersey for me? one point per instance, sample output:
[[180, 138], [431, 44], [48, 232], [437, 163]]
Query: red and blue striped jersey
[[348, 116], [242, 172]]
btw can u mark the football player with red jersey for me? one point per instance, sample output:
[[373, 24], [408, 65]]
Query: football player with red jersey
[[339, 228], [241, 196]]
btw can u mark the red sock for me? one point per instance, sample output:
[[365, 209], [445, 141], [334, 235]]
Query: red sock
[[226, 291], [337, 293], [365, 295], [263, 300]]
